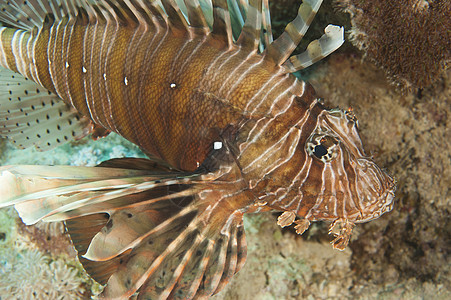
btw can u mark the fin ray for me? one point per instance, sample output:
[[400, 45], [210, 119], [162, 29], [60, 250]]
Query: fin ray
[[317, 49], [175, 15], [250, 33], [196, 16], [31, 116], [222, 29], [280, 49]]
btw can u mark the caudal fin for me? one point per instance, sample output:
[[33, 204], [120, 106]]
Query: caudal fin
[[151, 230]]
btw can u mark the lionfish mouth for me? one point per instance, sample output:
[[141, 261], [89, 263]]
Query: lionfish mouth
[[383, 203]]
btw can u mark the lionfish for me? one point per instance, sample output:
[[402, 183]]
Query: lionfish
[[203, 89]]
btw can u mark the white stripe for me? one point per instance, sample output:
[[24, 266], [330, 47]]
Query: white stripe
[[257, 93], [243, 74], [31, 65], [133, 46], [90, 76], [269, 92], [65, 59], [33, 59], [38, 80], [14, 46], [307, 161], [275, 147], [217, 70], [247, 143], [105, 47], [54, 57], [320, 197], [235, 69], [50, 50], [176, 58], [83, 66], [106, 57], [190, 57], [20, 61]]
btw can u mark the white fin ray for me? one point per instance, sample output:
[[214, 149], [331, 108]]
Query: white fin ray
[[317, 49], [56, 192], [280, 49]]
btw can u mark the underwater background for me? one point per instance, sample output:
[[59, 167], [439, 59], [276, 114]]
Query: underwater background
[[393, 72]]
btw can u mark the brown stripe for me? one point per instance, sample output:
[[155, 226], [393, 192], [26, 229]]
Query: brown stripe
[[41, 57], [6, 37], [74, 71]]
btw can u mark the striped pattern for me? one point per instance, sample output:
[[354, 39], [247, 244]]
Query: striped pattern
[[283, 46], [230, 131], [80, 58]]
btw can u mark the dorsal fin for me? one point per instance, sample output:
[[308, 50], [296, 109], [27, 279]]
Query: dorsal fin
[[175, 16], [267, 30], [237, 13], [31, 13], [26, 14], [250, 34], [280, 49], [222, 29], [157, 13], [317, 49], [196, 16], [121, 11]]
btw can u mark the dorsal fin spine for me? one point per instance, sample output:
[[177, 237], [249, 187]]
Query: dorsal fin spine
[[317, 49], [175, 16], [196, 17], [280, 49], [250, 34], [222, 29]]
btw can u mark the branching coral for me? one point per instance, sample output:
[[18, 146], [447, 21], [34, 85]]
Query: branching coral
[[31, 275], [409, 39], [36, 262]]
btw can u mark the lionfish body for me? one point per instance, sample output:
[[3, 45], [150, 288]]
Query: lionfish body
[[228, 129]]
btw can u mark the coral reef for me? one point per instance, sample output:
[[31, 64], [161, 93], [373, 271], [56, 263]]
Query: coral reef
[[31, 270], [32, 275], [48, 238], [282, 265], [409, 39], [85, 152]]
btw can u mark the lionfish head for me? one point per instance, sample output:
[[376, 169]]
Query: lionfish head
[[353, 187]]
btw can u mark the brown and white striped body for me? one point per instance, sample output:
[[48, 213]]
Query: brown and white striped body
[[236, 132]]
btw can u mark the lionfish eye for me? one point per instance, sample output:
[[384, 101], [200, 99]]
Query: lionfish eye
[[324, 148], [319, 151]]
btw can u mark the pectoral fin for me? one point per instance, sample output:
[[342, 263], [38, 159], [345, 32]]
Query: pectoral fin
[[161, 234]]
